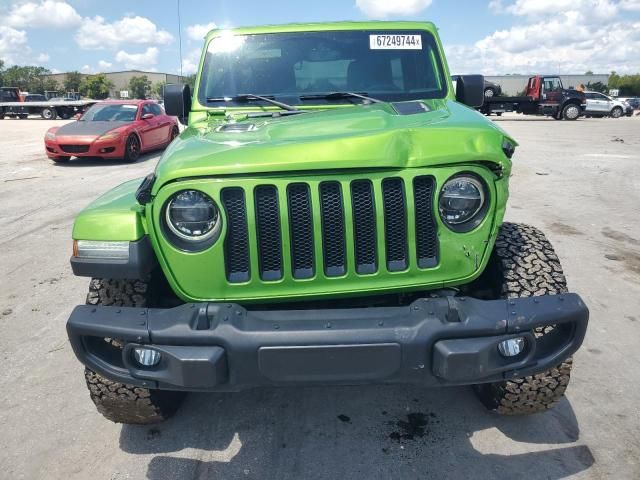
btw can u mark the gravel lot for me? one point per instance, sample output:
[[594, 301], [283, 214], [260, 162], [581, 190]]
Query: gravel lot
[[577, 181]]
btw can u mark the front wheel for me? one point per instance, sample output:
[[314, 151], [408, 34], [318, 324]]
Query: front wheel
[[571, 112], [132, 149], [524, 264], [489, 93], [616, 112], [174, 133], [116, 401]]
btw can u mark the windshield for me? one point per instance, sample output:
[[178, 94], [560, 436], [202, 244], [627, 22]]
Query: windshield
[[391, 66], [111, 113]]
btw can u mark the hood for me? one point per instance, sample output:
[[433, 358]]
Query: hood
[[359, 137], [88, 128]]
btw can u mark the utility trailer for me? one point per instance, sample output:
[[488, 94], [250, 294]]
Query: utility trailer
[[12, 105], [544, 95]]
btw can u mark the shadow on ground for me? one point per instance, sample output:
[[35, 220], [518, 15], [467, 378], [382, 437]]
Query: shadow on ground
[[76, 162], [356, 432]]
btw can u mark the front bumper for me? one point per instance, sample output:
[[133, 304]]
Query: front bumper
[[225, 347], [113, 148]]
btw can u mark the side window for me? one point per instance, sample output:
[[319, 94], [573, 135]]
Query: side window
[[146, 108], [588, 96], [552, 85], [156, 109]]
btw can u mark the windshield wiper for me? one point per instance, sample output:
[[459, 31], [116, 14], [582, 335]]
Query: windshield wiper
[[333, 95], [248, 97]]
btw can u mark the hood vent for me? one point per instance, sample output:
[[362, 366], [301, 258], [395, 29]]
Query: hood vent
[[410, 108], [236, 127]]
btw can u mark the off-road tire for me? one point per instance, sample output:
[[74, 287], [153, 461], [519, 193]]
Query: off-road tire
[[489, 93], [616, 112], [524, 264], [571, 112], [119, 402]]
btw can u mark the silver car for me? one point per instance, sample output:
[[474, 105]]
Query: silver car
[[600, 105]]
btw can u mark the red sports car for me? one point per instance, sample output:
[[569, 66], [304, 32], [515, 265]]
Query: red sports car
[[113, 129]]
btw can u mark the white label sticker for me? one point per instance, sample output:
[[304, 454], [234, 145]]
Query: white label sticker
[[395, 42]]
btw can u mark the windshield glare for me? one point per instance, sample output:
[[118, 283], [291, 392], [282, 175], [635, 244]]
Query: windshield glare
[[111, 113], [391, 66]]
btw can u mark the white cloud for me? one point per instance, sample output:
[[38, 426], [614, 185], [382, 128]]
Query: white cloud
[[566, 36], [191, 62], [197, 32], [96, 34], [592, 9], [389, 8], [87, 69], [103, 65], [45, 14], [630, 5], [13, 44], [139, 61], [43, 58]]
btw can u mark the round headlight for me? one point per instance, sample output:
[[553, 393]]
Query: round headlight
[[461, 200], [192, 216]]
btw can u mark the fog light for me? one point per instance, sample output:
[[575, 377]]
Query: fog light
[[146, 356], [511, 347]]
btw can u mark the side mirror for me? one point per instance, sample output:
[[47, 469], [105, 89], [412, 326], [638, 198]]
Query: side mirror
[[177, 101], [470, 90], [147, 116]]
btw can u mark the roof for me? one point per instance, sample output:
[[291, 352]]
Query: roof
[[134, 101], [327, 27]]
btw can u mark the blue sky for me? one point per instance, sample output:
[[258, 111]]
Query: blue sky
[[490, 37]]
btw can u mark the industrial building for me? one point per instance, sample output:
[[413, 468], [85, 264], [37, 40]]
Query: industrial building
[[121, 79]]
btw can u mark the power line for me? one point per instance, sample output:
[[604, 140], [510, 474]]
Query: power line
[[180, 38]]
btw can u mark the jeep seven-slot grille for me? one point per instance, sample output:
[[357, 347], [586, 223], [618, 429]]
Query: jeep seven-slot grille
[[367, 221]]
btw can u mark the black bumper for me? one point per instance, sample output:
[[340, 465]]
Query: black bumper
[[225, 347]]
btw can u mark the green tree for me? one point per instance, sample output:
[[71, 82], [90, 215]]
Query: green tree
[[29, 78], [72, 81], [190, 80], [96, 86], [1, 73], [628, 85], [597, 87], [588, 72], [139, 87], [158, 89]]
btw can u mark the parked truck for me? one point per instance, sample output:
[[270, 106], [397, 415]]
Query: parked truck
[[544, 95], [13, 105]]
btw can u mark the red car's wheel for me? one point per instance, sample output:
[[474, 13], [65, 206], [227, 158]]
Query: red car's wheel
[[174, 133], [132, 149]]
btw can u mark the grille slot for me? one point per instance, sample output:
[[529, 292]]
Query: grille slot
[[333, 233], [346, 216], [268, 232], [236, 243], [301, 230], [364, 226], [426, 231], [395, 224], [75, 148]]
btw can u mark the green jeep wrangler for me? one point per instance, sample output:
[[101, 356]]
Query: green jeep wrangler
[[332, 214]]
